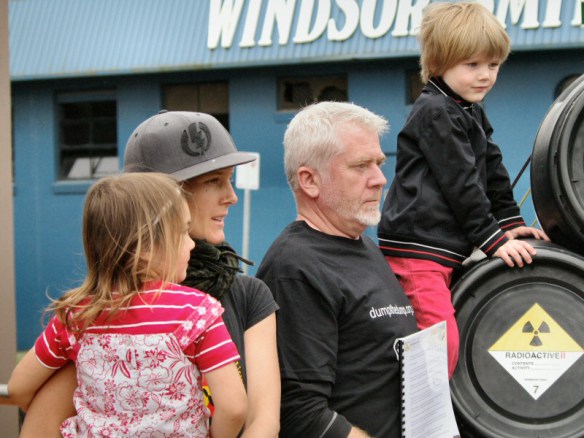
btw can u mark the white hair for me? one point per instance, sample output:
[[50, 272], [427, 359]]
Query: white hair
[[312, 137]]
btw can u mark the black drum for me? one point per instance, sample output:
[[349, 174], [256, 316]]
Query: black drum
[[557, 169], [520, 371]]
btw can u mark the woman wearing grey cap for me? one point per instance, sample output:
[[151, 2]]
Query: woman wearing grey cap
[[197, 150]]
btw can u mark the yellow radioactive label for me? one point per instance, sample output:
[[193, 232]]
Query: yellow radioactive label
[[536, 351], [536, 330]]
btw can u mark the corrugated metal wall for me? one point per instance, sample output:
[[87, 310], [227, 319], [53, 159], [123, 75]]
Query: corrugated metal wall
[[70, 38]]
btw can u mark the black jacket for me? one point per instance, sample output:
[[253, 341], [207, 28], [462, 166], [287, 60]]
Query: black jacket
[[451, 191]]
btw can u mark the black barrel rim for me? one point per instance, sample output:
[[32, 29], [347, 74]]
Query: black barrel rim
[[557, 169], [481, 406]]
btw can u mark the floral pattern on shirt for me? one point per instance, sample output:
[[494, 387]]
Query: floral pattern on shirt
[[141, 385]]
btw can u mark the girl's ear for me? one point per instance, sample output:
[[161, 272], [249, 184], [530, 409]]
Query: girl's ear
[[309, 181]]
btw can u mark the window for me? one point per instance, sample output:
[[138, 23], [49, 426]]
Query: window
[[296, 92], [414, 86], [88, 140], [207, 97]]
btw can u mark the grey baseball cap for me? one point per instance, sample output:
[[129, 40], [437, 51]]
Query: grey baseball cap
[[182, 144]]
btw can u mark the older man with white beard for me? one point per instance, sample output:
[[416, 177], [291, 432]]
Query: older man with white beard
[[340, 375]]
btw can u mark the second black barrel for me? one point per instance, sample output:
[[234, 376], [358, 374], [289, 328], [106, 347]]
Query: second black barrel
[[520, 370]]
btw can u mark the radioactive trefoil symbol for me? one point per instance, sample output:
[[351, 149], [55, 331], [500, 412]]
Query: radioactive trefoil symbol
[[543, 328]]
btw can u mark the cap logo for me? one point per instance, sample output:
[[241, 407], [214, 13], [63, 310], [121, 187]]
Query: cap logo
[[196, 139]]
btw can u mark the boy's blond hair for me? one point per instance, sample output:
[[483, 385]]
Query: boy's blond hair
[[453, 32]]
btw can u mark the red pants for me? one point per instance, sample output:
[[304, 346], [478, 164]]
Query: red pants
[[427, 285]]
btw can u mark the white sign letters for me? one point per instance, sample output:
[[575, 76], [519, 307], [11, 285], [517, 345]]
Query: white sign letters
[[304, 21]]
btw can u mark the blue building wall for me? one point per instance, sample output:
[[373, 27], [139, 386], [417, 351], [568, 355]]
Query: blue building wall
[[49, 257]]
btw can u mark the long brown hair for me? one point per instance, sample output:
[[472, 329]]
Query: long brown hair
[[129, 220]]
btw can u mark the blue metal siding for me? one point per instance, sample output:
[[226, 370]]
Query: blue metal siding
[[69, 38], [48, 250], [87, 39], [60, 38]]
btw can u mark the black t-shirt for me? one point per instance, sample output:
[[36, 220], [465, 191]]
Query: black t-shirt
[[341, 308], [248, 302]]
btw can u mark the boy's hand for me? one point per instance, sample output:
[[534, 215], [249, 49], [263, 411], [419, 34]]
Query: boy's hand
[[516, 252], [527, 232]]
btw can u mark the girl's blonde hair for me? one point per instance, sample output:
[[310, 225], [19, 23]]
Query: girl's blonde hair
[[453, 32], [130, 222]]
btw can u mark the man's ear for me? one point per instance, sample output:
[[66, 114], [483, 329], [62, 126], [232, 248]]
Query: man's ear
[[309, 181]]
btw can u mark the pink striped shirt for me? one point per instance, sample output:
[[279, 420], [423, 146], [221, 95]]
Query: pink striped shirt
[[154, 310]]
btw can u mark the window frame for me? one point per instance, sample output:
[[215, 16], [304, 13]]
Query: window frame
[[90, 149], [317, 84], [222, 109]]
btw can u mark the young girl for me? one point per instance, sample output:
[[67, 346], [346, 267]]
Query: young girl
[[140, 341]]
